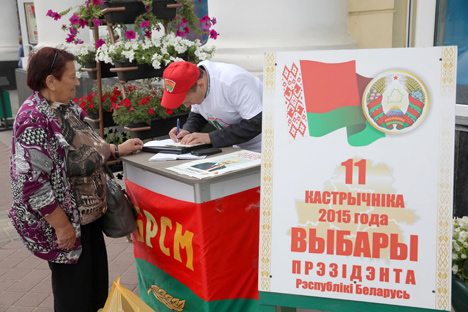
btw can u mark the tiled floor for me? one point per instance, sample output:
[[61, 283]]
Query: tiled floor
[[25, 279]]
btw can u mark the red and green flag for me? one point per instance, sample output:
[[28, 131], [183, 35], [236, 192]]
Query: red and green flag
[[331, 94], [197, 257]]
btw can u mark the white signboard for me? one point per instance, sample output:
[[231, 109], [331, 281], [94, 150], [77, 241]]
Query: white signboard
[[357, 174]]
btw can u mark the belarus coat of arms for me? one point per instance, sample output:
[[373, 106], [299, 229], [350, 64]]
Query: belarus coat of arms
[[395, 102]]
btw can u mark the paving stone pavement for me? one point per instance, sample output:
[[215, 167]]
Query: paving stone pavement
[[25, 284]]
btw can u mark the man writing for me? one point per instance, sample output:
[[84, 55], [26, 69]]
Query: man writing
[[225, 95]]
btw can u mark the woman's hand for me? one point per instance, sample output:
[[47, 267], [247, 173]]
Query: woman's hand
[[176, 138], [130, 146], [66, 236]]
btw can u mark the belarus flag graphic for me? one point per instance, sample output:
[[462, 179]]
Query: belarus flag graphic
[[332, 97]]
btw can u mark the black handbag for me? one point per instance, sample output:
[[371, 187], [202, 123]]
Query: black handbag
[[121, 215]]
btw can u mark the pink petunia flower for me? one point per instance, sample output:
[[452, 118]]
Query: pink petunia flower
[[148, 33], [83, 23], [99, 43], [205, 19], [213, 34], [97, 2], [180, 34], [56, 16], [144, 24], [50, 13], [213, 21], [206, 26], [183, 23], [74, 19], [70, 39], [130, 34], [97, 22]]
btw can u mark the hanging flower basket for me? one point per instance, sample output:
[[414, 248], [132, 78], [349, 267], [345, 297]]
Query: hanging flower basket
[[133, 9], [105, 70], [159, 127], [132, 70]]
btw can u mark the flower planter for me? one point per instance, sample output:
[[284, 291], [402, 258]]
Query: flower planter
[[130, 71], [159, 127], [459, 295], [92, 120], [105, 70], [136, 8]]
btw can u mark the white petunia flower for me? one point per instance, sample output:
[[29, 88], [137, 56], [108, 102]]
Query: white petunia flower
[[129, 55]]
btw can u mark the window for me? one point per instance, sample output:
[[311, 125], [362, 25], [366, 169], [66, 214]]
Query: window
[[452, 29]]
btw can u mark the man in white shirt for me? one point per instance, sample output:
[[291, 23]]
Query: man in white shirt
[[225, 95]]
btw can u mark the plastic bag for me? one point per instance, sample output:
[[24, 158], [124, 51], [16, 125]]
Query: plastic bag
[[121, 299]]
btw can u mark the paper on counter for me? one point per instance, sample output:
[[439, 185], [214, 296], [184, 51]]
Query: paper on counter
[[166, 156], [168, 142], [159, 142]]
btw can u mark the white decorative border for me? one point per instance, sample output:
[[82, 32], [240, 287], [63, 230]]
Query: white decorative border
[[266, 197]]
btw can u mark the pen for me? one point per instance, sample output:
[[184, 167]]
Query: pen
[[178, 127]]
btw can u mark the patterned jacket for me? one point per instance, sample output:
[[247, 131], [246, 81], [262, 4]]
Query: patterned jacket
[[39, 180]]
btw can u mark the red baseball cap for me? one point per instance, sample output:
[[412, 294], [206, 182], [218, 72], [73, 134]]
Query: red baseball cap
[[178, 78]]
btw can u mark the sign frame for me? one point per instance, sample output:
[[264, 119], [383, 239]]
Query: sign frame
[[268, 298], [31, 24]]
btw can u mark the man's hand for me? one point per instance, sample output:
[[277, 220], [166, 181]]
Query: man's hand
[[176, 138], [196, 137]]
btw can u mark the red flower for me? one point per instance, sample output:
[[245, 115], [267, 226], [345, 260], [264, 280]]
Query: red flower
[[114, 106], [151, 110], [126, 103], [104, 97], [116, 91], [169, 111], [145, 100], [91, 105], [113, 99], [75, 100]]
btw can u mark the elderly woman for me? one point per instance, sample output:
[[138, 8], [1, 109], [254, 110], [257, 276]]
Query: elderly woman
[[58, 183]]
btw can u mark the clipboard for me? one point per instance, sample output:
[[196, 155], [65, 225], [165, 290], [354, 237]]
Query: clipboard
[[171, 149]]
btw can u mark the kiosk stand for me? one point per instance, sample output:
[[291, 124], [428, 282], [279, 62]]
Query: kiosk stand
[[196, 246]]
